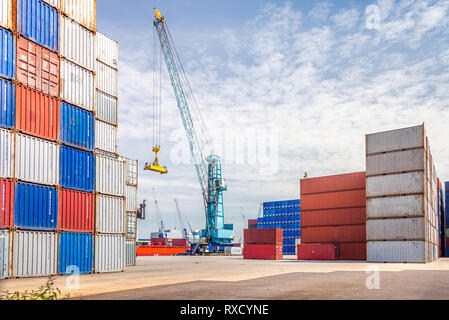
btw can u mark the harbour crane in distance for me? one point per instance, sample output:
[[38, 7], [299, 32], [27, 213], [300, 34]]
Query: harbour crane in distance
[[207, 164], [182, 224], [160, 222], [259, 215]]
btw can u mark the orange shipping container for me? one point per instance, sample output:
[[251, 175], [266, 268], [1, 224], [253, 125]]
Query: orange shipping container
[[353, 251], [333, 234], [37, 67], [341, 182], [333, 200], [37, 114]]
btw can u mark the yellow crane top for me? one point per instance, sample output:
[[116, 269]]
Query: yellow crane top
[[158, 16]]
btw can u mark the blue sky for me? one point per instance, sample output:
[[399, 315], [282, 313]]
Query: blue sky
[[310, 79]]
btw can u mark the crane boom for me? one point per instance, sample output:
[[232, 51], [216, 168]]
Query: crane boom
[[158, 215]]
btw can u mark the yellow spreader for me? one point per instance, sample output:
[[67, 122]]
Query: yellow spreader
[[155, 165]]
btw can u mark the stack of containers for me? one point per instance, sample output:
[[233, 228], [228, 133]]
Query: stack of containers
[[333, 216], [131, 166], [401, 191], [286, 216], [441, 219], [263, 244], [446, 215]]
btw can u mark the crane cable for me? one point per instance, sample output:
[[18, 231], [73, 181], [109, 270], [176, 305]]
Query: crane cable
[[157, 92]]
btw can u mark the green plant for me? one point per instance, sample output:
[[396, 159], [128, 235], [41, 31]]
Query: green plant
[[47, 291]]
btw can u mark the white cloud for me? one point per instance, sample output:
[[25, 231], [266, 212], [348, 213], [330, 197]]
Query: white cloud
[[346, 19]]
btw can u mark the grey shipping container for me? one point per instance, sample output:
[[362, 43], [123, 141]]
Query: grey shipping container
[[395, 184], [130, 252], [4, 254], [109, 253], [396, 162], [394, 140], [396, 207], [398, 251], [396, 229], [131, 225]]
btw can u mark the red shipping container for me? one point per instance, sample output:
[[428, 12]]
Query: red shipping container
[[263, 236], [179, 242], [317, 251], [6, 203], [353, 251], [76, 211], [37, 67], [334, 200], [333, 234], [159, 241], [263, 251], [333, 217], [37, 113], [252, 222], [341, 182]]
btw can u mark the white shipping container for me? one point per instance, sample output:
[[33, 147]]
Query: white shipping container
[[396, 162], [6, 153], [395, 207], [82, 11], [398, 251], [105, 137], [396, 229], [406, 138], [35, 254], [106, 108], [131, 225], [77, 85], [107, 50], [130, 171], [131, 252], [131, 198], [395, 184], [106, 78], [110, 214], [109, 175], [4, 254], [36, 160], [53, 3], [6, 14], [77, 43], [109, 253]]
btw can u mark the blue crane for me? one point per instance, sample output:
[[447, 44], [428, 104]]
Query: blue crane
[[208, 168]]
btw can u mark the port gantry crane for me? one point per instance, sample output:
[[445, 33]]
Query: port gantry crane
[[208, 168], [160, 223]]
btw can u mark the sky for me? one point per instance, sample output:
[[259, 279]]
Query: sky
[[285, 87]]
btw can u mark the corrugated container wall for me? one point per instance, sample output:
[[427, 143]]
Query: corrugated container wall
[[76, 252], [105, 137], [34, 254], [106, 108], [36, 160], [109, 176], [82, 11], [8, 53], [77, 43], [37, 113], [77, 127], [131, 166], [131, 225], [7, 103], [76, 211], [53, 3], [394, 140], [76, 169], [6, 203], [77, 85], [107, 50], [6, 19], [398, 251], [109, 253], [6, 154], [131, 198], [110, 215], [106, 78], [38, 21], [35, 207], [4, 254], [130, 252]]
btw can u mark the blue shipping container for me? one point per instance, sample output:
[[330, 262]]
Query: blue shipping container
[[75, 253], [38, 22], [76, 169], [446, 204], [8, 104], [8, 54], [77, 127], [35, 207]]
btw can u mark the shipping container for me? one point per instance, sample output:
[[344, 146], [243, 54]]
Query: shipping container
[[107, 50], [109, 176], [396, 229], [131, 225], [77, 127], [106, 79], [179, 242], [6, 18], [314, 251], [263, 236], [394, 140], [6, 203], [131, 198], [35, 207], [333, 217], [8, 54], [334, 234], [53, 3], [263, 251], [76, 169], [76, 253], [37, 113], [398, 251], [110, 215], [37, 67], [395, 184], [353, 251], [105, 137], [34, 254], [6, 154], [131, 167], [341, 182], [252, 222], [159, 241], [4, 254], [77, 85], [396, 162], [38, 21], [333, 200], [82, 11], [396, 207], [106, 108], [77, 43], [131, 253], [36, 160], [109, 253], [8, 104], [76, 211]]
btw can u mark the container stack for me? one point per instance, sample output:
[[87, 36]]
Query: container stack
[[262, 244], [286, 216], [131, 209], [333, 217], [401, 191], [441, 219], [446, 215]]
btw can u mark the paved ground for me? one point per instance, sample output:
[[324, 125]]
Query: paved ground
[[235, 278]]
